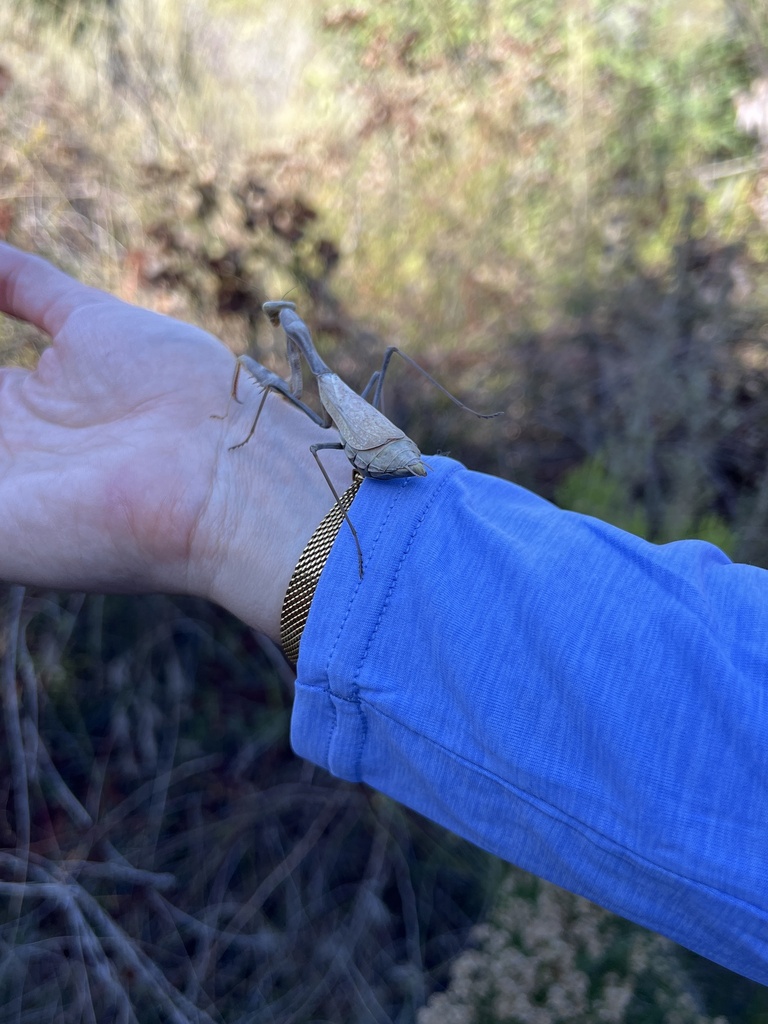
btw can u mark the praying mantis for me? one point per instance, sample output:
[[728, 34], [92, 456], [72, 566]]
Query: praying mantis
[[373, 444]]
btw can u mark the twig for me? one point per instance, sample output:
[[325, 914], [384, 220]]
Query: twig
[[96, 964], [408, 903], [55, 891], [167, 755], [728, 169], [123, 873], [67, 898], [278, 661], [31, 694], [181, 772], [289, 864], [262, 944], [12, 719], [176, 1005], [61, 792]]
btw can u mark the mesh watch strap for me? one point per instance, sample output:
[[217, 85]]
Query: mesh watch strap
[[301, 589]]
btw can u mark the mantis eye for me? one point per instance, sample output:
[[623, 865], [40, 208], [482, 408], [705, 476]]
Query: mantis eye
[[272, 309]]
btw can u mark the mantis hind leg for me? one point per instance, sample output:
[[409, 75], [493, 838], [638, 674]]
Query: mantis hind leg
[[337, 446], [377, 381]]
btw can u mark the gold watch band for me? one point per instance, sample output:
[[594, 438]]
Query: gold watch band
[[301, 589]]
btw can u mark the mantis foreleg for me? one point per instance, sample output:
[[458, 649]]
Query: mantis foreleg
[[271, 382], [294, 362]]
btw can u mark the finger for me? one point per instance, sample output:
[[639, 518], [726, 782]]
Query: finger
[[34, 290]]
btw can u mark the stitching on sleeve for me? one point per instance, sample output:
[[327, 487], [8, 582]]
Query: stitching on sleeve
[[348, 610], [396, 577], [354, 696], [331, 729]]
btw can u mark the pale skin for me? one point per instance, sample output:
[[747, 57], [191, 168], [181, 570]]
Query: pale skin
[[115, 478]]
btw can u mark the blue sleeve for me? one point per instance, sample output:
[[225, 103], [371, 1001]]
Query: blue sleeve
[[584, 704]]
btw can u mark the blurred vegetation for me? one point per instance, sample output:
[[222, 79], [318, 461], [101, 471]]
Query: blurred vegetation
[[165, 857], [546, 956], [562, 210]]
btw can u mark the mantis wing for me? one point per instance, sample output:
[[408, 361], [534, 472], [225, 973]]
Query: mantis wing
[[359, 424]]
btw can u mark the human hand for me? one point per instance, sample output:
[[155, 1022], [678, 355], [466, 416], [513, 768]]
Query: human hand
[[114, 476]]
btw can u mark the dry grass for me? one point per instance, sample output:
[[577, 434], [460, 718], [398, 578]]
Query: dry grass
[[165, 858]]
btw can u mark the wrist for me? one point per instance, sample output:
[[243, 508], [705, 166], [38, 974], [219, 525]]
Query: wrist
[[274, 497]]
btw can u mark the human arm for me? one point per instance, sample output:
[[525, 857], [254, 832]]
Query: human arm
[[114, 476], [584, 704]]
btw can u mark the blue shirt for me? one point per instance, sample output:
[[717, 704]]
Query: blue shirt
[[576, 700]]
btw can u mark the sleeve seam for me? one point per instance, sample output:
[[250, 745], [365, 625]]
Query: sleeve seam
[[396, 578], [356, 590], [354, 696]]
